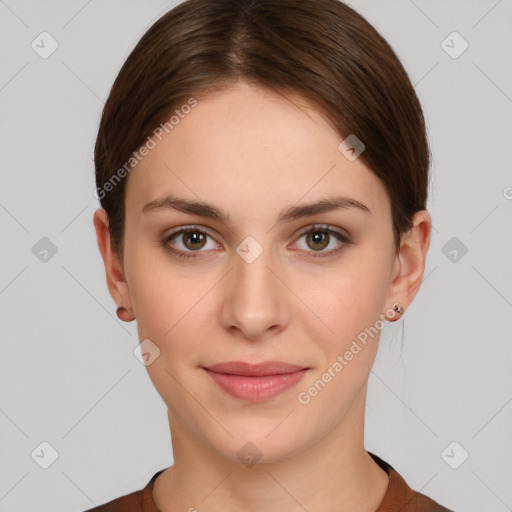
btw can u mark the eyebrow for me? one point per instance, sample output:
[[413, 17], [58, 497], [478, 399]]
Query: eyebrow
[[288, 214]]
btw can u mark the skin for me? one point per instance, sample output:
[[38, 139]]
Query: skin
[[251, 153]]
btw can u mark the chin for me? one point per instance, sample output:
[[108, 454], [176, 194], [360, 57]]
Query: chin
[[251, 445]]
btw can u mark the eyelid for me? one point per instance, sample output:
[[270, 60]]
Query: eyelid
[[189, 227], [322, 227]]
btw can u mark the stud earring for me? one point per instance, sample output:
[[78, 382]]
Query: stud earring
[[399, 310]]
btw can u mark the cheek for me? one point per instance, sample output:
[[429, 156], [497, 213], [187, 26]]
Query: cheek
[[175, 311], [159, 294], [153, 303], [346, 303], [350, 306], [352, 292]]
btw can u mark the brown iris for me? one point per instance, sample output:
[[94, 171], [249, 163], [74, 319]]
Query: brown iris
[[316, 237], [196, 239]]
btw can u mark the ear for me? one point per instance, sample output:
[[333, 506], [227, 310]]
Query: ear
[[410, 261], [116, 282]]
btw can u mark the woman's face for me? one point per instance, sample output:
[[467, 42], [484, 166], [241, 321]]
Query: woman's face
[[259, 285]]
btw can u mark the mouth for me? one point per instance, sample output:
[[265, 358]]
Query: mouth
[[255, 382]]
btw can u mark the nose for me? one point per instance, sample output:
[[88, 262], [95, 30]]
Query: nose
[[255, 299]]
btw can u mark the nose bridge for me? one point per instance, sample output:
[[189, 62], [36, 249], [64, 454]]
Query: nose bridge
[[255, 301], [255, 276]]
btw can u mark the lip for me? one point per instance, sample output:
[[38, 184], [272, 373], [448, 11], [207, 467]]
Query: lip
[[255, 382], [262, 369]]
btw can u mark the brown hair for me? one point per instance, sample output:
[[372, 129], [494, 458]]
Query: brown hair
[[321, 49]]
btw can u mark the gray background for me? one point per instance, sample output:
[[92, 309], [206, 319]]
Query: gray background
[[68, 373]]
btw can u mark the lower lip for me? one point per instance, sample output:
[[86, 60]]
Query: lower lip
[[256, 389]]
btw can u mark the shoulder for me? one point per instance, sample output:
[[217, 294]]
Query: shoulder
[[399, 496], [411, 500], [137, 501], [129, 503]]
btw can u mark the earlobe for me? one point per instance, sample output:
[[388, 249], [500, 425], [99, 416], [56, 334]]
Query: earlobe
[[116, 282], [126, 315]]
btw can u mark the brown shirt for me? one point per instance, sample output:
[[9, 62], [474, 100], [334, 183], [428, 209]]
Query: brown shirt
[[399, 497]]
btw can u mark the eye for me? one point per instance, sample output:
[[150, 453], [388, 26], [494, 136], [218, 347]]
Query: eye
[[319, 237], [191, 241]]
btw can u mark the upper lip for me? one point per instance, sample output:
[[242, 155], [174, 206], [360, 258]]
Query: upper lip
[[254, 370]]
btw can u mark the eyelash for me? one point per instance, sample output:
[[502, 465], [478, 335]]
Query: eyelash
[[190, 255]]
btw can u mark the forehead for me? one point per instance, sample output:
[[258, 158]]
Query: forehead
[[247, 147]]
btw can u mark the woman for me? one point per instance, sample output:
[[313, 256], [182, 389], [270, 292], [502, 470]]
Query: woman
[[262, 168]]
